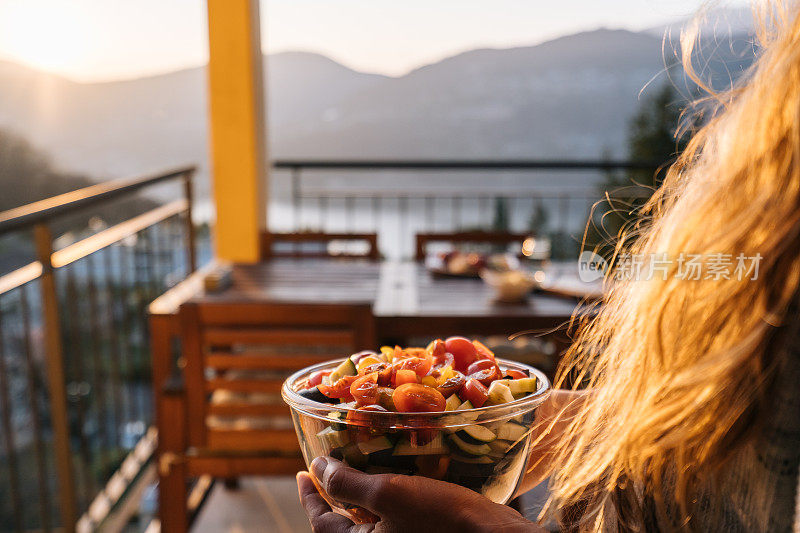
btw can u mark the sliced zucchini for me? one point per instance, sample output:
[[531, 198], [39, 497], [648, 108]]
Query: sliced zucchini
[[511, 431], [469, 449], [346, 368], [434, 447], [476, 434], [499, 447], [375, 445], [473, 460], [463, 418], [452, 403], [522, 386], [333, 438], [499, 393]]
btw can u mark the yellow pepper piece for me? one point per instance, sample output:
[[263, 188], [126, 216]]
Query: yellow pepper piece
[[366, 361], [430, 381]]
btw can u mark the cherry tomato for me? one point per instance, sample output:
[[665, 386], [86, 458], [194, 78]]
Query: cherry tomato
[[474, 392], [516, 374], [420, 365], [441, 357], [483, 351], [452, 385], [417, 398], [437, 348], [365, 389], [484, 370], [340, 389], [464, 352], [359, 417], [404, 376], [316, 378]]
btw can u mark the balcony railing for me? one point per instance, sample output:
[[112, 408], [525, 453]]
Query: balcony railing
[[398, 198], [75, 399]]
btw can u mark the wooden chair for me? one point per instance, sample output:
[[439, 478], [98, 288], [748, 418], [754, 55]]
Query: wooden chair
[[490, 238], [317, 244], [227, 418]]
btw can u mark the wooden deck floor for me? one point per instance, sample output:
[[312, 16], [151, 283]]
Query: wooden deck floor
[[271, 505], [260, 504]]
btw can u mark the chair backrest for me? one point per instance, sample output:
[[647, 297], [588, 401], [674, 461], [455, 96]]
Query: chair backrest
[[317, 244], [491, 238], [237, 357]]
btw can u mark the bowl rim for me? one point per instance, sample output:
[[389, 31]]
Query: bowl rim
[[302, 404]]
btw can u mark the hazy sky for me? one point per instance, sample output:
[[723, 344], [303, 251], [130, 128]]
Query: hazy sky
[[90, 40]]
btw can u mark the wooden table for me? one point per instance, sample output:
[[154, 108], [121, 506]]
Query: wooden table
[[407, 300]]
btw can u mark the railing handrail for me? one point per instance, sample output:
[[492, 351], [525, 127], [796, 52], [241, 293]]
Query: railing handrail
[[460, 164], [33, 213]]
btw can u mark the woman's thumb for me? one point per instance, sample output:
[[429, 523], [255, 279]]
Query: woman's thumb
[[345, 484]]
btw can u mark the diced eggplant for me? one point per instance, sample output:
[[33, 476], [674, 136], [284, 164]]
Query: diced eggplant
[[376, 444], [315, 395], [352, 455], [469, 449], [475, 434], [332, 438]]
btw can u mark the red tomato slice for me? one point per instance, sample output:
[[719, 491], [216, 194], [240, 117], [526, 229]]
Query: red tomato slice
[[360, 416], [483, 351], [316, 378], [384, 371], [417, 398], [365, 389], [516, 374], [340, 389], [484, 370], [452, 385], [464, 352], [474, 392], [420, 365], [404, 376]]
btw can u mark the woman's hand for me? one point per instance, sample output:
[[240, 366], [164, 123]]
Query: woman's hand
[[404, 504]]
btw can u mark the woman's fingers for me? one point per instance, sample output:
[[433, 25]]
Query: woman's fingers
[[322, 519]]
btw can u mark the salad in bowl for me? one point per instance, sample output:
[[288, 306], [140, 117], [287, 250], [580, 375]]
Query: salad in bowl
[[450, 411]]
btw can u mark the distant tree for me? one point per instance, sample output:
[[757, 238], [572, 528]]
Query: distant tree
[[500, 221], [651, 138], [27, 175], [537, 222]]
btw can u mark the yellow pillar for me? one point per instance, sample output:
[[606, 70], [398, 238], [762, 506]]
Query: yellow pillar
[[237, 130]]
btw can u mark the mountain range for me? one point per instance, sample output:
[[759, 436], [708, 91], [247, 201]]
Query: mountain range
[[571, 97]]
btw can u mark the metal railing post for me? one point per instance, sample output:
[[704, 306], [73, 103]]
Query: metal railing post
[[295, 183], [54, 355], [190, 233]]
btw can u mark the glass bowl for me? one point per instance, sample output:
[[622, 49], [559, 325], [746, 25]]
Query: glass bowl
[[483, 449]]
